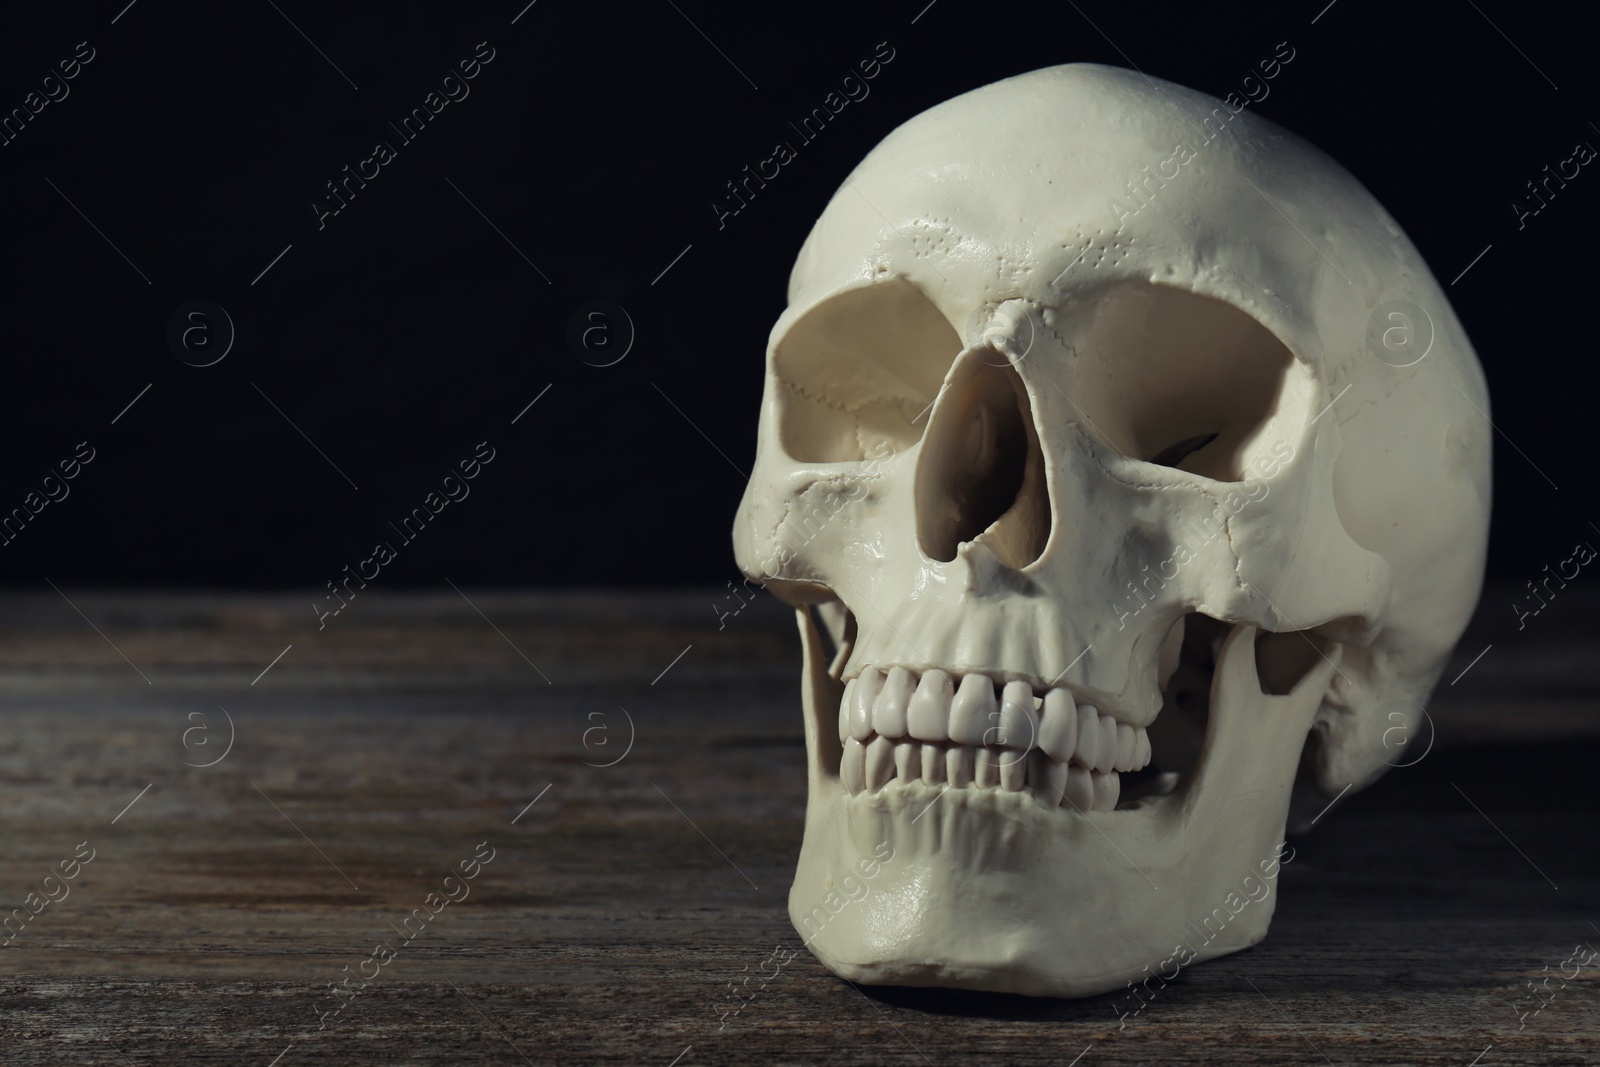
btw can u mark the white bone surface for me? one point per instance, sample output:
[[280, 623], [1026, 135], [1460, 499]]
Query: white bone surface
[[1058, 372]]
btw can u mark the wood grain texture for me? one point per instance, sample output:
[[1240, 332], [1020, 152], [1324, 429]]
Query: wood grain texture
[[380, 751]]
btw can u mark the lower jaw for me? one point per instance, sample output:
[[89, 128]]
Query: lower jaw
[[984, 889]]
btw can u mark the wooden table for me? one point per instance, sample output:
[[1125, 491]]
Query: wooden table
[[374, 755]]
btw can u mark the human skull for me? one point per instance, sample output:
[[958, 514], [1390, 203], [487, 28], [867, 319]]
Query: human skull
[[1105, 518]]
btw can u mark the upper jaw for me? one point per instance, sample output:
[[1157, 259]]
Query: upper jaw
[[1134, 712], [971, 730]]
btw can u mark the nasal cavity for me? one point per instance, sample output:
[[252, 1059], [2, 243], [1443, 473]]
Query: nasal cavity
[[980, 474]]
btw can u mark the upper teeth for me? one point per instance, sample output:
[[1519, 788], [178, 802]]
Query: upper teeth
[[970, 736]]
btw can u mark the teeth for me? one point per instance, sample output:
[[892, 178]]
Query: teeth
[[1058, 727], [889, 710], [958, 766], [1013, 771], [1106, 789], [928, 716], [972, 709], [1019, 723], [868, 685], [1055, 783], [987, 774], [1108, 744], [853, 768], [1088, 750], [880, 763], [895, 726], [1079, 792], [907, 760], [1127, 745]]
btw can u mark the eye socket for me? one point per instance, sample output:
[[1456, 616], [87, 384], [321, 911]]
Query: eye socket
[[1183, 381], [858, 372]]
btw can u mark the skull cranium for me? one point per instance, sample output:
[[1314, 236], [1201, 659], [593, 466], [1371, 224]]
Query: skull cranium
[[1104, 524]]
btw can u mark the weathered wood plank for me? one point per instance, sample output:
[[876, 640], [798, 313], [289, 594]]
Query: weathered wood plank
[[607, 927]]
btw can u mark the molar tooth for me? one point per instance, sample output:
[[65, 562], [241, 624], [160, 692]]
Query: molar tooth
[[868, 684], [844, 710], [1088, 748], [928, 714], [1141, 757], [1058, 726], [1127, 745], [932, 764], [880, 763], [1107, 787], [1013, 770], [907, 761], [1108, 744], [987, 773], [1079, 791], [889, 710], [1019, 723], [958, 765], [972, 710], [853, 767]]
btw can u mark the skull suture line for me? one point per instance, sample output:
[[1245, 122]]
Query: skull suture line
[[1098, 589]]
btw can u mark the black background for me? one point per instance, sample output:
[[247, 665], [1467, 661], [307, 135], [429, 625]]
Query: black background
[[408, 329]]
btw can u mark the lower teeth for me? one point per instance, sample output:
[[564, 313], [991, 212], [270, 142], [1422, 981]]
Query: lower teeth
[[868, 767]]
